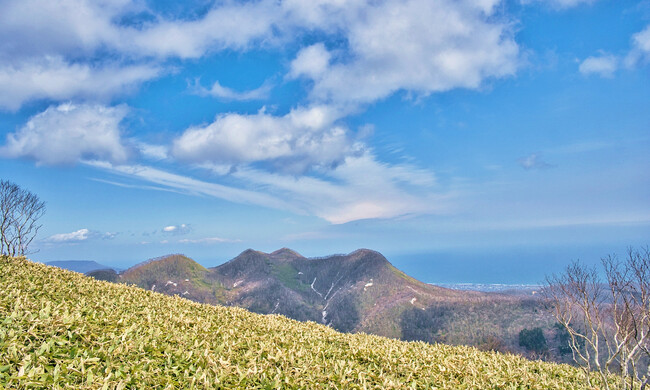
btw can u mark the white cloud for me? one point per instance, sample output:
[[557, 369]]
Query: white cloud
[[66, 133], [177, 229], [642, 40], [374, 49], [55, 78], [58, 50], [219, 91], [640, 51], [303, 138], [415, 45], [604, 65], [228, 25], [311, 61], [41, 27], [79, 235]]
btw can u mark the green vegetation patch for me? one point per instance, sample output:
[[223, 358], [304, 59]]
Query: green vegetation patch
[[60, 329], [288, 276]]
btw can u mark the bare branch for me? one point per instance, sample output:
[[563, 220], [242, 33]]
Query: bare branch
[[20, 211], [608, 321]]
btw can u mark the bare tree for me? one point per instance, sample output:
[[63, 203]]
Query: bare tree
[[20, 211], [608, 321]]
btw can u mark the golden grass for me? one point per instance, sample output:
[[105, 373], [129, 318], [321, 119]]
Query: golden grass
[[60, 329]]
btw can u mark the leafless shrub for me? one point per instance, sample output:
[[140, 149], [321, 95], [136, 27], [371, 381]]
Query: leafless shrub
[[608, 321], [20, 211]]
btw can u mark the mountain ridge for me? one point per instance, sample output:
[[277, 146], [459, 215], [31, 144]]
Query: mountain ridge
[[81, 266], [351, 292], [358, 292]]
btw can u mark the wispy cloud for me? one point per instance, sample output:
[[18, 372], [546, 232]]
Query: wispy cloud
[[207, 240], [219, 91], [190, 185], [359, 188], [580, 147], [151, 152], [534, 161], [560, 4]]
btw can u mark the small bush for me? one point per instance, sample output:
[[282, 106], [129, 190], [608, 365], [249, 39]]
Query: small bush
[[533, 340], [108, 275], [493, 343]]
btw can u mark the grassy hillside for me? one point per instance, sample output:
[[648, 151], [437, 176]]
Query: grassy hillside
[[60, 329]]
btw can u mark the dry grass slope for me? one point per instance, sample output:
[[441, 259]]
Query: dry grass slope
[[60, 329]]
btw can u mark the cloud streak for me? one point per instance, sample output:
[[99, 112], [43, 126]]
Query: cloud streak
[[561, 4], [359, 188], [207, 240], [190, 185], [219, 91]]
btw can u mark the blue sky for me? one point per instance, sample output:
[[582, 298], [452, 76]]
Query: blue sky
[[469, 141]]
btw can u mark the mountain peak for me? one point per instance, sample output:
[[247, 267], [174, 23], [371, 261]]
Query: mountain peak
[[250, 251], [368, 257], [175, 264], [286, 252], [249, 262], [365, 252]]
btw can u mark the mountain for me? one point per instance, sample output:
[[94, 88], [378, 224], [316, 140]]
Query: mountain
[[81, 266], [354, 292], [61, 329], [357, 292]]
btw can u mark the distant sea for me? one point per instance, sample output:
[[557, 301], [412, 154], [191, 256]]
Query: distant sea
[[496, 269], [487, 287]]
